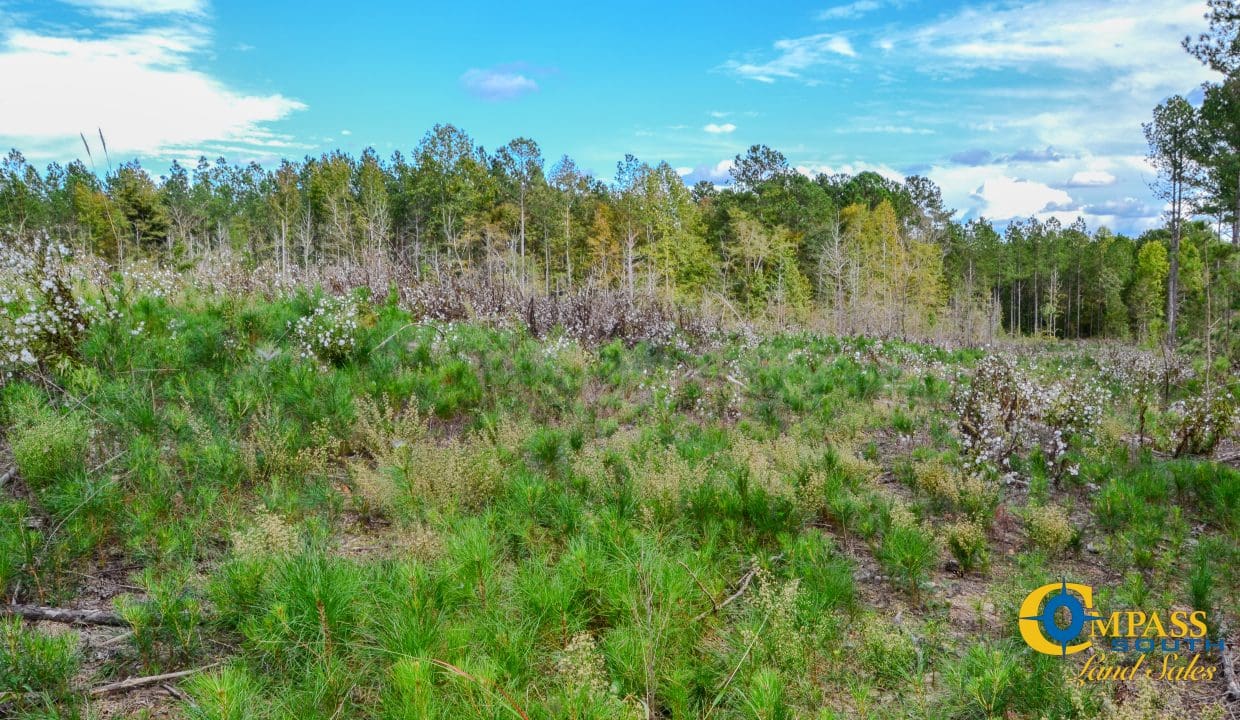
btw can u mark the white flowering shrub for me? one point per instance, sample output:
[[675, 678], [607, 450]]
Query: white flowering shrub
[[1070, 411], [330, 333], [1194, 425], [991, 407], [1003, 410], [43, 318], [1203, 420]]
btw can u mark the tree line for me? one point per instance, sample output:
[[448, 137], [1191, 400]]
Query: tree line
[[864, 253], [867, 253]]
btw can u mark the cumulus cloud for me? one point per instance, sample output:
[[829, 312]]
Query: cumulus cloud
[[1006, 198], [793, 57], [1133, 36], [717, 129], [504, 82], [1091, 178], [1098, 66], [717, 174], [981, 156], [139, 86]]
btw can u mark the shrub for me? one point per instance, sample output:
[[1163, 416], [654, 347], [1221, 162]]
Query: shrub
[[766, 696], [41, 318], [269, 537], [413, 471], [968, 544], [949, 488], [588, 691], [1201, 581], [1048, 528], [775, 604], [454, 474], [409, 691], [858, 470], [984, 682], [887, 652], [1147, 700], [1204, 420], [330, 333]]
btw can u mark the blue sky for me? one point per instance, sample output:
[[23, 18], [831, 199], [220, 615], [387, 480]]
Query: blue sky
[[1013, 108]]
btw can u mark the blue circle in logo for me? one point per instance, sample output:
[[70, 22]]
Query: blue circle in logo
[[1077, 615]]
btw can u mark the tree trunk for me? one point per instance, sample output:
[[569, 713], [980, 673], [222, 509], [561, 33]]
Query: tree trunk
[[1173, 274], [1235, 218]]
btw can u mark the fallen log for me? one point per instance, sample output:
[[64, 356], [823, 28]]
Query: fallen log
[[138, 682], [64, 615]]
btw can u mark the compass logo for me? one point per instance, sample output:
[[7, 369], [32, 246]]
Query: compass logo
[[1043, 611]]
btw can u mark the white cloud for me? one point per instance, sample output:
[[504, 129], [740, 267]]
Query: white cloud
[[1101, 65], [1129, 35], [718, 174], [850, 10], [134, 8], [498, 83], [813, 169], [1006, 198], [965, 189], [1032, 183], [887, 130], [1128, 207], [139, 87], [1091, 178], [793, 57], [716, 129]]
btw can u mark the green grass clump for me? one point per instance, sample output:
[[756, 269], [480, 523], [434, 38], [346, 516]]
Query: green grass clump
[[908, 552], [48, 444], [33, 663]]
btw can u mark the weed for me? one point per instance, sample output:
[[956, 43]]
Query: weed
[[1048, 528], [968, 544]]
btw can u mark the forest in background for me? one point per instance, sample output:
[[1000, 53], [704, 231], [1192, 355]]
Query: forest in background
[[860, 254]]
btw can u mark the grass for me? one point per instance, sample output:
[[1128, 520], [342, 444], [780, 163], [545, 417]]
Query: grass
[[453, 520]]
